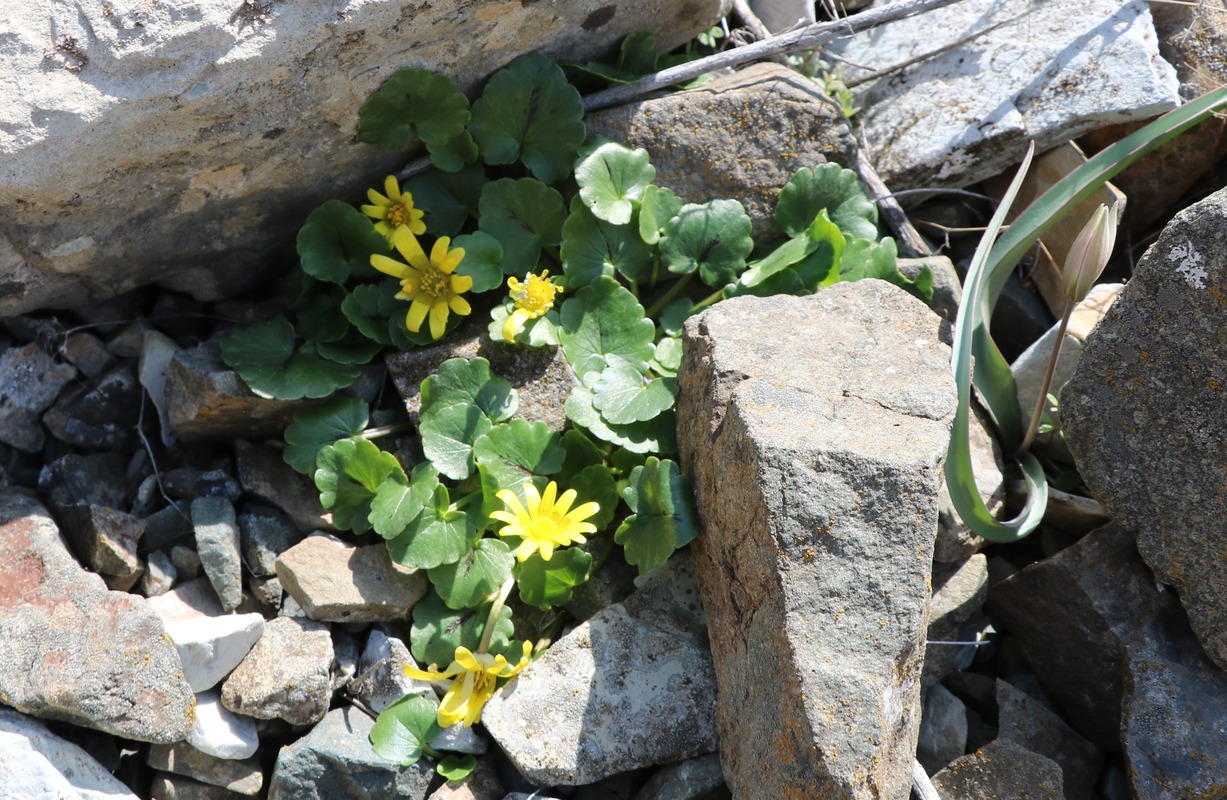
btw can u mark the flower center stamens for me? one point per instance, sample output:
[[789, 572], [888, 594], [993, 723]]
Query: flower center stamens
[[398, 214], [435, 282]]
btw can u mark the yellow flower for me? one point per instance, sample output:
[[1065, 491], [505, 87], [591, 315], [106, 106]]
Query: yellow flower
[[532, 299], [428, 283], [395, 211], [476, 677], [546, 523]]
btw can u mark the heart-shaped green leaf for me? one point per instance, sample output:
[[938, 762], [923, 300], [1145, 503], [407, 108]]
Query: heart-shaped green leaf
[[624, 395], [438, 630], [549, 583], [476, 576], [438, 535], [448, 435], [664, 518], [337, 241], [612, 180], [604, 319], [657, 207], [405, 729], [713, 238], [483, 256], [398, 502], [469, 381], [267, 357], [834, 188], [592, 248], [349, 474], [313, 428], [413, 100], [523, 215], [529, 112], [657, 435], [448, 198]]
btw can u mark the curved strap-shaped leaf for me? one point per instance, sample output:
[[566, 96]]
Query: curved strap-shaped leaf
[[960, 476]]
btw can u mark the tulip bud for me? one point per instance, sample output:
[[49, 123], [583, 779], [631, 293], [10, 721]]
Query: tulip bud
[[1088, 256]]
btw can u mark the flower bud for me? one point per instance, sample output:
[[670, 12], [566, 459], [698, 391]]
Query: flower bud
[[1088, 256]]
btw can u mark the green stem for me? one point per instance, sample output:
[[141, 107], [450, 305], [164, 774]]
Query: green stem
[[487, 632], [714, 297], [669, 296], [386, 430], [464, 501], [1048, 373]]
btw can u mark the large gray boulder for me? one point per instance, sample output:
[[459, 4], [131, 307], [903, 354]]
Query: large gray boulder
[[1143, 413], [181, 144], [814, 429]]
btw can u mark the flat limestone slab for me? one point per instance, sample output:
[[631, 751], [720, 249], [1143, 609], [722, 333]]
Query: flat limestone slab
[[814, 429]]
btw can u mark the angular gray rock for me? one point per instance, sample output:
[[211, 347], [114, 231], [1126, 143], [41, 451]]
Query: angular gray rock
[[1143, 413], [740, 136], [1116, 654], [37, 764], [71, 650], [335, 762], [239, 776], [1029, 722], [959, 592], [101, 414], [217, 544], [175, 787], [816, 458], [29, 383], [210, 647], [287, 675], [995, 82], [1000, 769], [241, 115], [265, 475], [694, 779], [335, 581], [106, 540], [943, 729], [265, 533], [631, 687]]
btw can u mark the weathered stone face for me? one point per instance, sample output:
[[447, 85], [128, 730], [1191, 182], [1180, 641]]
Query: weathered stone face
[[182, 144], [814, 429]]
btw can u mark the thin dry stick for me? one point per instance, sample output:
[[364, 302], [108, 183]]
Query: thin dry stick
[[922, 787], [810, 37], [750, 20], [911, 243]]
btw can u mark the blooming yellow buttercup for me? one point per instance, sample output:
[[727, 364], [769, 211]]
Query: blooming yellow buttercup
[[394, 212], [532, 298], [428, 283], [547, 522], [476, 677]]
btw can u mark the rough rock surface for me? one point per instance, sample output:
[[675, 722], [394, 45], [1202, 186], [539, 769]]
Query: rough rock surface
[[1031, 723], [631, 687], [816, 459], [1116, 653], [286, 675], [36, 763], [741, 136], [967, 112], [998, 770], [210, 647], [1143, 413], [240, 776], [211, 129], [73, 651], [29, 383], [335, 581], [335, 760]]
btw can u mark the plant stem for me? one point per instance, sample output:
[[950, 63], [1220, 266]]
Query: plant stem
[[487, 632], [668, 296], [1048, 373], [707, 301], [386, 430]]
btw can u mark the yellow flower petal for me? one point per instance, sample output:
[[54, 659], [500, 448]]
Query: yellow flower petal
[[461, 283], [514, 323], [438, 319], [417, 315], [389, 266], [391, 188]]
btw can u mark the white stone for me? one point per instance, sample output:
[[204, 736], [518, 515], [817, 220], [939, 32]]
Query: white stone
[[157, 349], [213, 646], [38, 765], [1039, 69], [222, 733]]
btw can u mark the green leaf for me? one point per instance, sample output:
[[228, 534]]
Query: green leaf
[[438, 535], [438, 630], [637, 55], [321, 317], [523, 215], [349, 474], [612, 179], [448, 435], [624, 395], [413, 100], [475, 577], [398, 502], [592, 248], [673, 317], [266, 357], [597, 484], [448, 199], [405, 728], [864, 259], [658, 435], [455, 767], [778, 260], [668, 356], [337, 241], [549, 583], [664, 518], [529, 112], [713, 238], [370, 307], [454, 154], [657, 207], [511, 453], [604, 319], [355, 348], [581, 453], [469, 381], [834, 188], [313, 428], [482, 257]]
